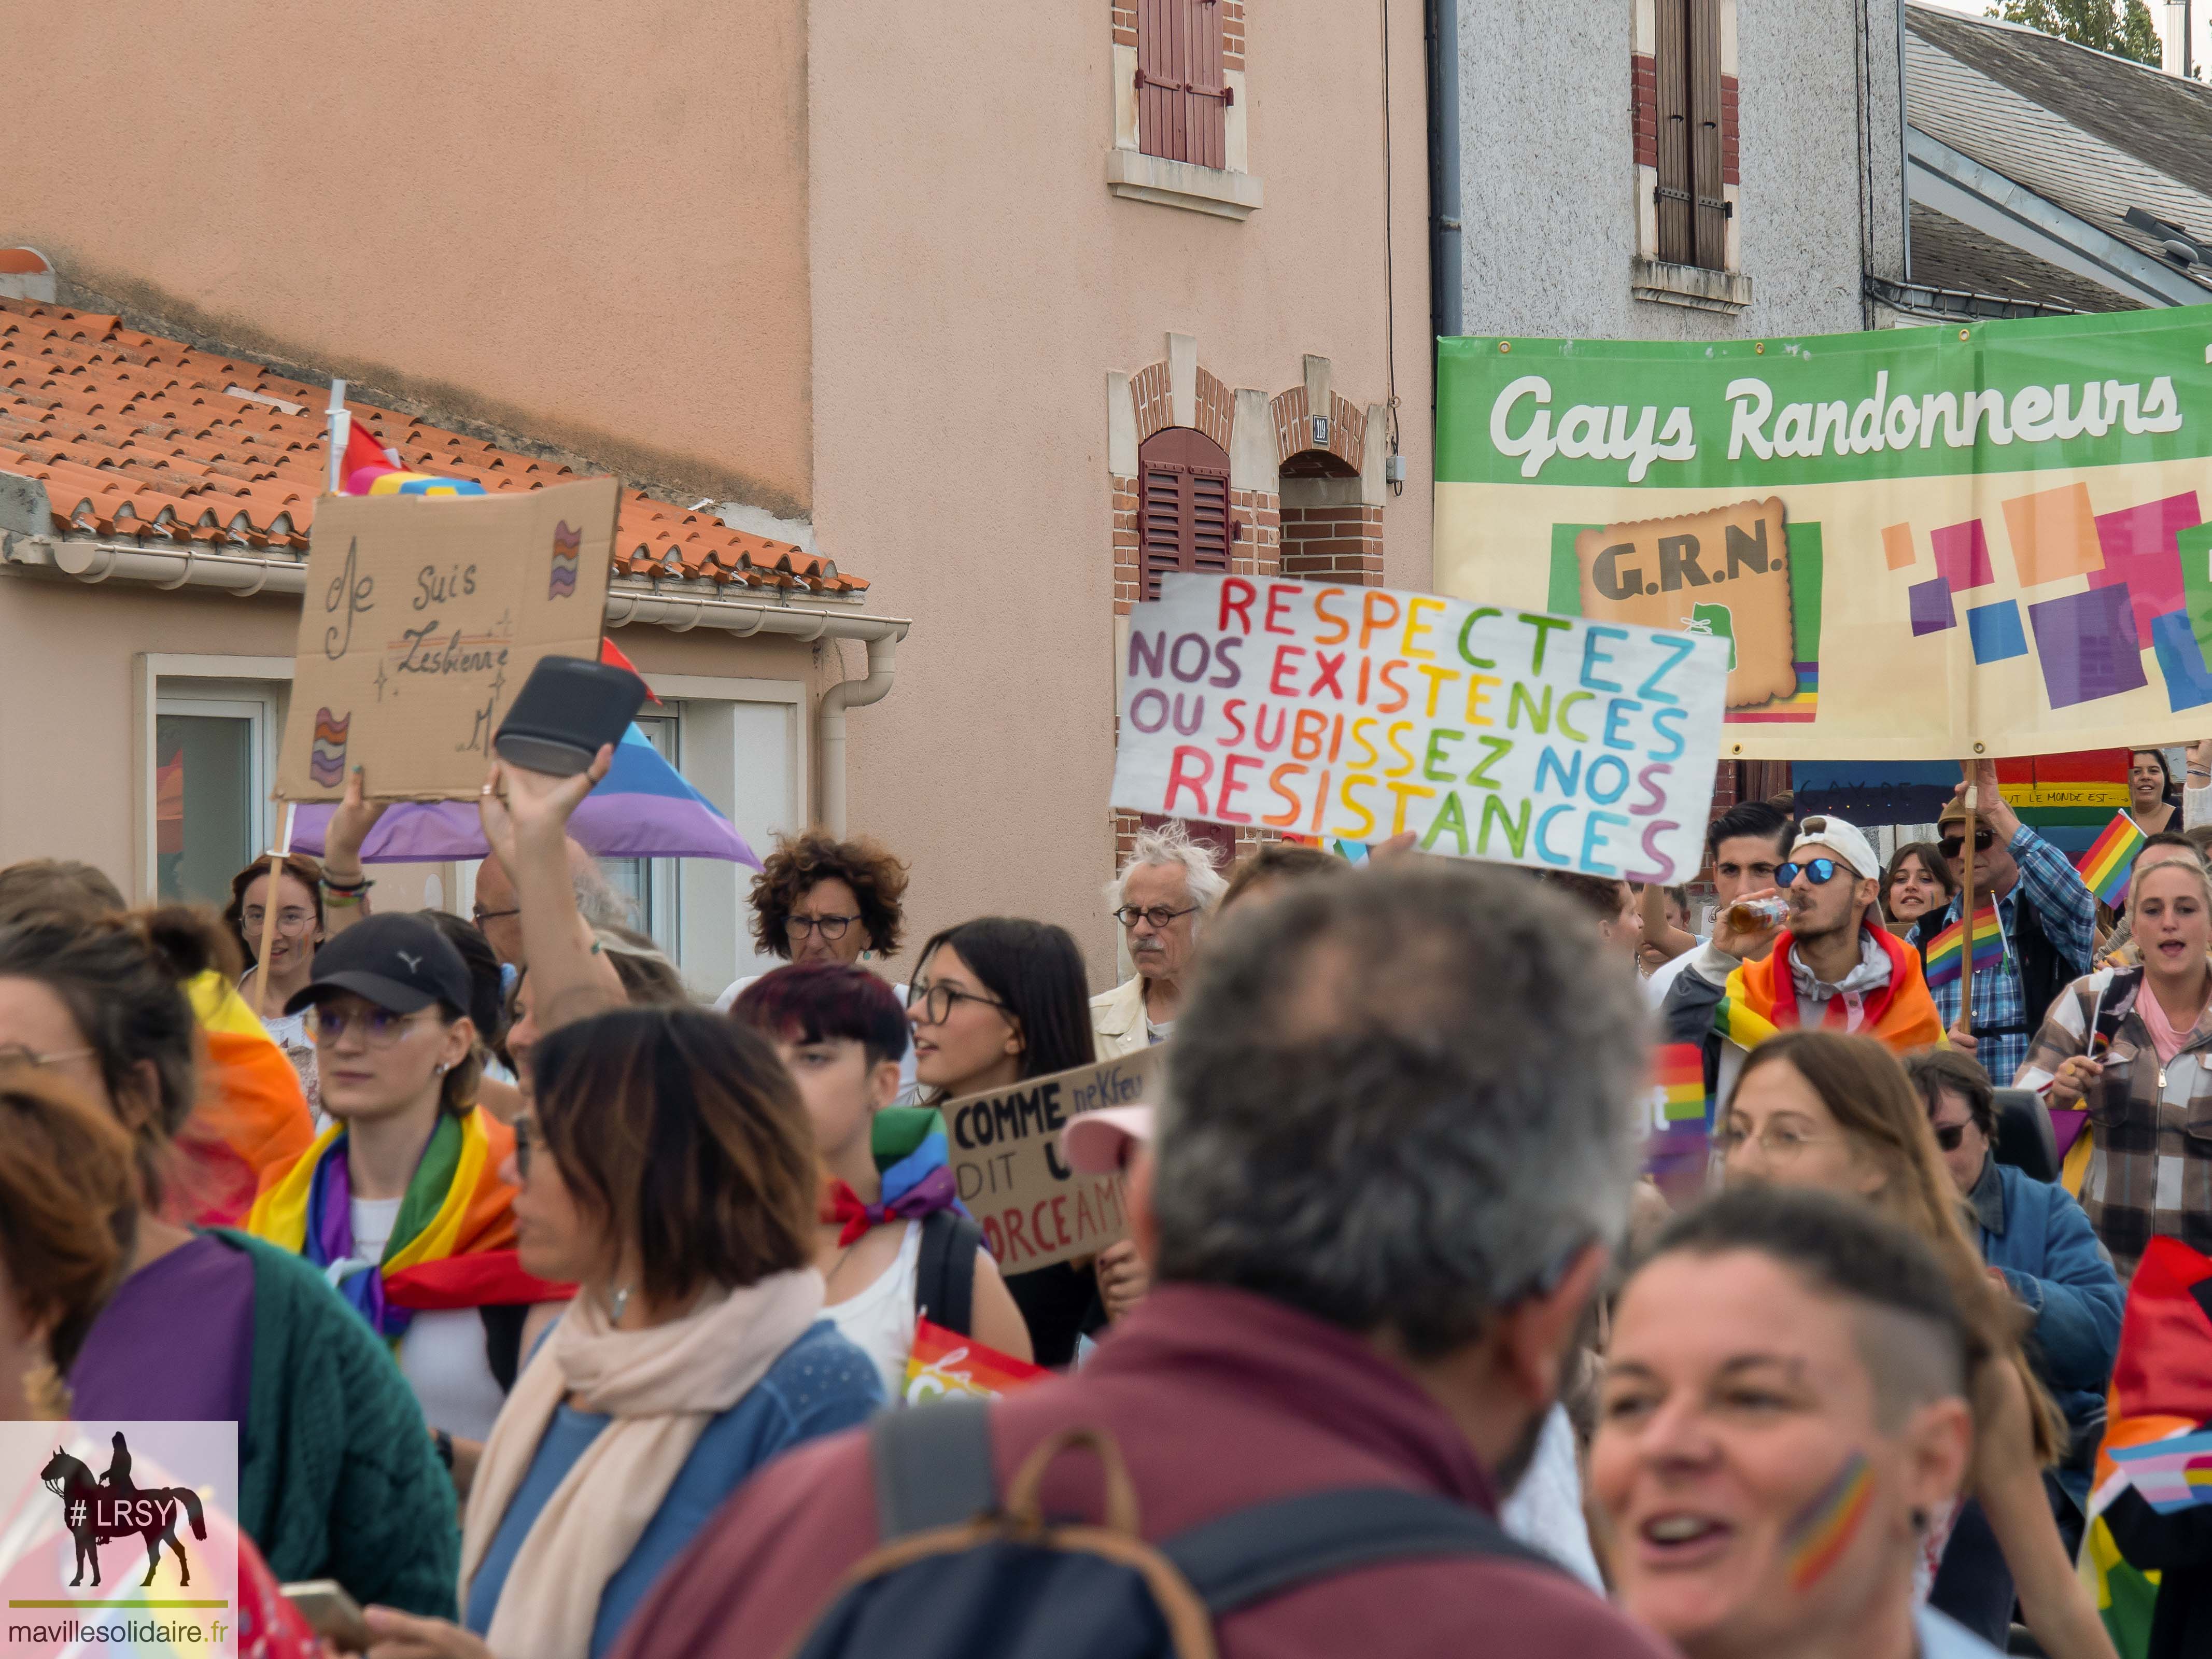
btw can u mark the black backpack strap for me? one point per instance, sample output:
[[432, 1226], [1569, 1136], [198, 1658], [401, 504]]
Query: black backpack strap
[[1256, 1552], [944, 1277], [932, 1466]]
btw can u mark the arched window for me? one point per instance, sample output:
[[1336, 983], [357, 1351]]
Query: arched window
[[1183, 523]]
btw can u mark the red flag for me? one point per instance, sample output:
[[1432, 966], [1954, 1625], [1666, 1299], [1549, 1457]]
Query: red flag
[[364, 455], [611, 654], [2165, 1364]]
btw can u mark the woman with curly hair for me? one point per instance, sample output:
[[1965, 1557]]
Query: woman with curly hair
[[819, 899]]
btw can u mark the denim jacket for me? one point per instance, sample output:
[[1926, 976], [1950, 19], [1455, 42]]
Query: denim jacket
[[2038, 1234]]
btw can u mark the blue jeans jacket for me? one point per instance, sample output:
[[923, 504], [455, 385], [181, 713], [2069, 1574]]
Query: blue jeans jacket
[[2040, 1237]]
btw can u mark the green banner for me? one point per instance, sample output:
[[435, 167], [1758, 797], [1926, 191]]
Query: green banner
[[1921, 544]]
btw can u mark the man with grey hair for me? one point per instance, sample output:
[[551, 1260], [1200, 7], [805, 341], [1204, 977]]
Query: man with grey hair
[[499, 913], [1162, 899], [1400, 1131]]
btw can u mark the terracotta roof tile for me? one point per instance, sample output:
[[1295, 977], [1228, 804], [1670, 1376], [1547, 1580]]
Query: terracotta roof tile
[[139, 436]]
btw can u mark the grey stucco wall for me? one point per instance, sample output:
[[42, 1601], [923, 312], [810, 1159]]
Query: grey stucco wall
[[1548, 177]]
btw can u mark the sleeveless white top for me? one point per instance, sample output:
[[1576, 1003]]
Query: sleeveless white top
[[880, 1320], [442, 1356]]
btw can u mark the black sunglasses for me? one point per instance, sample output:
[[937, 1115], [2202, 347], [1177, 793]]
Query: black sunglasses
[[1949, 1136], [1951, 844], [1821, 872]]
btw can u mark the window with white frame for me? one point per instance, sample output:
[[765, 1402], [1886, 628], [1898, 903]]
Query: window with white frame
[[655, 886], [213, 752]]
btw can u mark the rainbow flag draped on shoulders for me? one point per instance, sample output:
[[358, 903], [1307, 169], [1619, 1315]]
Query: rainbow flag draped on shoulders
[[452, 1246], [1946, 961], [251, 1114], [2110, 860], [2155, 1464], [913, 1158], [1760, 998]]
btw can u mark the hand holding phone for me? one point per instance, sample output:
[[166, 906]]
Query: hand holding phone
[[567, 710], [330, 1613]]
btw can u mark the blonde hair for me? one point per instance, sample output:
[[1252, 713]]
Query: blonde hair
[[1874, 1102]]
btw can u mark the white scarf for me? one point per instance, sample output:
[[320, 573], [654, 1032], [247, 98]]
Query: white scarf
[[661, 1387]]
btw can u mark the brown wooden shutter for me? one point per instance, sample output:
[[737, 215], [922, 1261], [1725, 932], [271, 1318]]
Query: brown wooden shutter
[[1184, 521], [1711, 207], [1182, 96], [1677, 226]]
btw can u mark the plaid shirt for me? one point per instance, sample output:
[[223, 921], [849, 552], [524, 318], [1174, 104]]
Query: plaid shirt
[[2068, 912], [2150, 1126]]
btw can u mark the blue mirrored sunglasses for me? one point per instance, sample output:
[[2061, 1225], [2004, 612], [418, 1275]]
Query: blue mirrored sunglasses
[[1822, 870]]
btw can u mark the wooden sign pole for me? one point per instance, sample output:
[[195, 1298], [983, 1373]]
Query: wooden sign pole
[[269, 913]]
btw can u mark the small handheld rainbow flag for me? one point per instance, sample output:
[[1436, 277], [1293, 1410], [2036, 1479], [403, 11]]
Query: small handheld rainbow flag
[[943, 1362], [1944, 963], [1678, 1084], [2105, 866]]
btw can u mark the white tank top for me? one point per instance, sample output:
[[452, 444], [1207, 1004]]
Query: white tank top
[[442, 1356], [880, 1320]]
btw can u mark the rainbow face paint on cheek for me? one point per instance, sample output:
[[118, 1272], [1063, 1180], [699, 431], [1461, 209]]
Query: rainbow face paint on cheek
[[1823, 1528]]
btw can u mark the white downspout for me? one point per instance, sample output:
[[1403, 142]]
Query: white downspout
[[829, 723]]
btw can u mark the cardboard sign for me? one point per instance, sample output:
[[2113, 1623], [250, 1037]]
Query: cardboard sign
[[1493, 733], [423, 616], [1033, 1209]]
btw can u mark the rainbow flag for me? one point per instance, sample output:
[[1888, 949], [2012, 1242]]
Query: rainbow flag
[[251, 1117], [1944, 963], [1679, 1085], [944, 1363], [2160, 1405], [369, 468], [2105, 866]]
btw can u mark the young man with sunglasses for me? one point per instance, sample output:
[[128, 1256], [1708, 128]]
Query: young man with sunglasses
[[2048, 916], [1834, 966], [2038, 1241]]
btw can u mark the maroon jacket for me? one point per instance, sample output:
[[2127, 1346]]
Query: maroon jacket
[[1219, 1400]]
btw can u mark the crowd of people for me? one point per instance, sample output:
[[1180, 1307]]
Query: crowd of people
[[543, 1292]]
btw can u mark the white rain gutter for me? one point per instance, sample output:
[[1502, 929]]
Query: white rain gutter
[[629, 601]]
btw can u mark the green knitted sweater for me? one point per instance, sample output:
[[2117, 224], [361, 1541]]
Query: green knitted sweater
[[337, 1476]]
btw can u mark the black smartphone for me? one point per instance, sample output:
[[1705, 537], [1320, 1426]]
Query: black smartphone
[[566, 709]]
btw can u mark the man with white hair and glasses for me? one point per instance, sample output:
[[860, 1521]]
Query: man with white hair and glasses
[[1163, 893]]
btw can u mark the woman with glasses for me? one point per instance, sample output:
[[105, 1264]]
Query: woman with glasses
[[996, 1001], [668, 1167], [401, 1204], [1836, 1113], [2131, 1046], [819, 899], [298, 899], [211, 1324]]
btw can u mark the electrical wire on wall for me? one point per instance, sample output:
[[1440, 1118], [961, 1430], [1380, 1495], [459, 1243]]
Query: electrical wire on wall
[[1389, 292]]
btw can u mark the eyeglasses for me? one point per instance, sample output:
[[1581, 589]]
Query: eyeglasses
[[1949, 1136], [14, 1054], [1159, 916], [480, 915], [1779, 1141], [380, 1028], [291, 922], [935, 1002], [1983, 839], [1820, 872], [525, 1137], [833, 928]]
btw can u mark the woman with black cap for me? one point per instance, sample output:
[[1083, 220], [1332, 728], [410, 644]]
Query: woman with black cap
[[400, 1201]]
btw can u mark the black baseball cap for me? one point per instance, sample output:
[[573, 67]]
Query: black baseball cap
[[401, 962]]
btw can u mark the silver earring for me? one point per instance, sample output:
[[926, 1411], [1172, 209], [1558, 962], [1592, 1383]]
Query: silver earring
[[439, 1070]]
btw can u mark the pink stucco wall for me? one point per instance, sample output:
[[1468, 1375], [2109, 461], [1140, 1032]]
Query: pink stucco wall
[[583, 222]]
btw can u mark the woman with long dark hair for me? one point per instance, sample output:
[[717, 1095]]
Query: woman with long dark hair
[[994, 1002]]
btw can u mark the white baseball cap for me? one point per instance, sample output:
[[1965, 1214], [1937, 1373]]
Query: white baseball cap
[[1104, 1141], [1843, 841]]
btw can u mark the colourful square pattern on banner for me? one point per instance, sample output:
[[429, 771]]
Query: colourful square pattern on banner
[[1931, 606], [2054, 535], [2085, 643], [1995, 631], [1962, 555], [2140, 549]]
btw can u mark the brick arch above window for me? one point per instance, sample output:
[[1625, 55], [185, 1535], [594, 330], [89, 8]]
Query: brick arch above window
[[1217, 404], [1183, 517], [1293, 413]]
